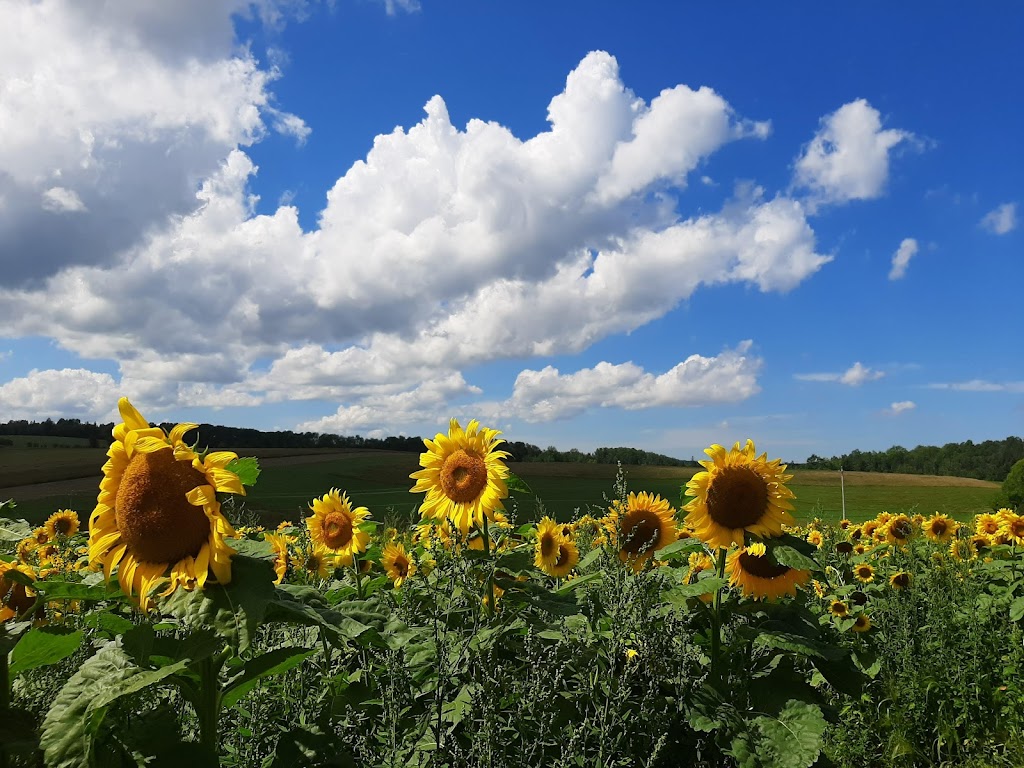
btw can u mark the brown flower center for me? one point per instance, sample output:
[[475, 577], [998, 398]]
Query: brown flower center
[[152, 513], [761, 567], [62, 525], [939, 527], [902, 529], [641, 531], [1017, 528], [401, 567], [42, 537], [463, 476], [991, 526], [547, 545], [844, 547], [901, 580], [14, 596], [313, 563], [737, 497], [337, 530], [563, 556]]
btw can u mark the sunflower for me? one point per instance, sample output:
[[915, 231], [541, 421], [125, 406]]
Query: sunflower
[[63, 522], [900, 580], [868, 529], [15, 597], [647, 524], [282, 556], [738, 492], [568, 557], [940, 528], [334, 525], [987, 525], [549, 539], [860, 549], [315, 561], [758, 577], [1012, 529], [844, 548], [962, 549], [157, 509], [463, 475], [858, 598], [816, 538], [865, 573], [839, 609], [899, 529], [844, 524], [27, 550], [862, 624], [697, 562], [397, 563], [819, 588]]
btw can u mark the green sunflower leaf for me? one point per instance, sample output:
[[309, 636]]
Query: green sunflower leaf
[[516, 484], [275, 662], [42, 647], [247, 469], [793, 739], [786, 555]]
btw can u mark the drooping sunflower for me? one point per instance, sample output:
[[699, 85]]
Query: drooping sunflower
[[940, 528], [282, 556], [753, 572], [157, 510], [865, 573], [568, 558], [397, 563], [737, 492], [1011, 531], [647, 524], [15, 597], [839, 609], [334, 524], [463, 475], [901, 580], [899, 529], [549, 539], [63, 522], [862, 624]]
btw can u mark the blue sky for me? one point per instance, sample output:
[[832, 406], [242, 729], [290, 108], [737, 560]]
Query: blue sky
[[656, 224]]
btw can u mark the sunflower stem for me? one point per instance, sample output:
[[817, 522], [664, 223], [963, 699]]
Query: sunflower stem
[[209, 709], [490, 574], [716, 625], [359, 580]]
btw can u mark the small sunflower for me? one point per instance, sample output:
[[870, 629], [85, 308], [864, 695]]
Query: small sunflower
[[463, 475], [865, 573], [63, 522], [819, 588], [758, 577], [1012, 528], [397, 563], [816, 538], [15, 597], [868, 529], [27, 550], [738, 492], [647, 524], [568, 558], [962, 549], [549, 539], [315, 561], [839, 609], [899, 529], [282, 556], [987, 525], [940, 528], [334, 525], [900, 580], [862, 624], [844, 524], [157, 510], [41, 536]]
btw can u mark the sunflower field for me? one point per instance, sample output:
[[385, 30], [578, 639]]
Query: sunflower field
[[708, 630]]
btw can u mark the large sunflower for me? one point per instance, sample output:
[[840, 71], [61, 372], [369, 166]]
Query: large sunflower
[[463, 475], [334, 524], [647, 524], [756, 576], [737, 492], [899, 529], [157, 510]]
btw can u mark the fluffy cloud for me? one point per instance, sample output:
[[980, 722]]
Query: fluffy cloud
[[546, 394], [1001, 220], [854, 376], [901, 259], [901, 407], [71, 392], [848, 158], [505, 247], [99, 101]]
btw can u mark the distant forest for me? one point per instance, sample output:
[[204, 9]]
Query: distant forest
[[989, 460]]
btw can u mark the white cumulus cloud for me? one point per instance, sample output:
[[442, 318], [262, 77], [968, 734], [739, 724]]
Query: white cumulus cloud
[[71, 393], [981, 385], [1001, 220], [901, 407], [853, 376], [848, 158], [901, 259]]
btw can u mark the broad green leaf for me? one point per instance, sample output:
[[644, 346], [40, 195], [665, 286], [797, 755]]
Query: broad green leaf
[[516, 484], [235, 610], [842, 674], [13, 530], [515, 562], [75, 590], [579, 581], [275, 662], [70, 727], [589, 559], [793, 739], [42, 647], [786, 555], [679, 594], [679, 549], [788, 641], [247, 469], [1017, 609], [305, 606], [108, 622]]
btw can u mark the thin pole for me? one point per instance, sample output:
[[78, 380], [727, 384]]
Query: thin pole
[[842, 490]]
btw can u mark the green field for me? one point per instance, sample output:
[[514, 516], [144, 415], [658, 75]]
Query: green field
[[380, 480]]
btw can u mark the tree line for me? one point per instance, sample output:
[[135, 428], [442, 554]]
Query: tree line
[[988, 460]]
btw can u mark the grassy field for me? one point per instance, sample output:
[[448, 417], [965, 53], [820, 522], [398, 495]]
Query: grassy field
[[380, 480]]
